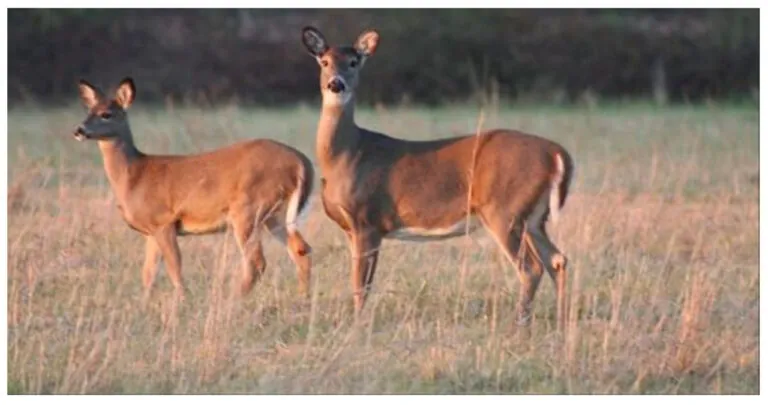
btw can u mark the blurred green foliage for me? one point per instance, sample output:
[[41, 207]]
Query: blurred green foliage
[[426, 56]]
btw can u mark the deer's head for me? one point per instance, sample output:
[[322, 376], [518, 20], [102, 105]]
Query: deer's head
[[107, 118], [339, 65]]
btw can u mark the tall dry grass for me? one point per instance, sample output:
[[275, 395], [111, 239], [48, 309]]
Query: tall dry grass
[[661, 231]]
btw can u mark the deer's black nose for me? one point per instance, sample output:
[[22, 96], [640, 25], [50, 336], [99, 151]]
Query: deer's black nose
[[80, 133], [336, 85]]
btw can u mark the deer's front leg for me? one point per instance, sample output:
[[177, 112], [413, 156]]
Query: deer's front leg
[[149, 269], [169, 246], [364, 248]]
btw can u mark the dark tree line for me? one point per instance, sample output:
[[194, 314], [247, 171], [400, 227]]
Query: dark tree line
[[426, 56]]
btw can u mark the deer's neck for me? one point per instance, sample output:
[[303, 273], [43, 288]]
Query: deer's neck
[[337, 134], [118, 155]]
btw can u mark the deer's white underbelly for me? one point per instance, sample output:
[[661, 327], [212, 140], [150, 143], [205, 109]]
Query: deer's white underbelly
[[426, 234]]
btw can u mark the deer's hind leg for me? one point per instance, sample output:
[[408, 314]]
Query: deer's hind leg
[[552, 259], [508, 232], [298, 250], [248, 238]]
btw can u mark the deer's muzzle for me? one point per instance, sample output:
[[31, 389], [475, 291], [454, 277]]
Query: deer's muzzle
[[80, 133], [336, 85]]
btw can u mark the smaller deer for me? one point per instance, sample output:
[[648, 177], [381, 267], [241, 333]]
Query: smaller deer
[[248, 185]]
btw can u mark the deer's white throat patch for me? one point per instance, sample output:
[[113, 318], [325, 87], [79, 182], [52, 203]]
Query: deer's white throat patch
[[336, 100]]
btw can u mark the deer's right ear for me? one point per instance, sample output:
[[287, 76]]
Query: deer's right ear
[[126, 93], [314, 41], [367, 43], [89, 95]]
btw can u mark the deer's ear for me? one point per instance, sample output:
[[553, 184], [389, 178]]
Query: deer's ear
[[367, 42], [125, 93], [89, 94], [314, 41]]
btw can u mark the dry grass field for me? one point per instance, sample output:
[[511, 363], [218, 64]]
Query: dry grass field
[[661, 230]]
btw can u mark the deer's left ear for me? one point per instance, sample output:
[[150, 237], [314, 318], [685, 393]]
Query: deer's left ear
[[367, 42], [89, 94], [314, 41], [125, 93]]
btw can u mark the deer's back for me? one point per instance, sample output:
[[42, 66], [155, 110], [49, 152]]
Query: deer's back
[[426, 183]]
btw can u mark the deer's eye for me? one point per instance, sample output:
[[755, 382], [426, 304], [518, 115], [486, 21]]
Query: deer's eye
[[105, 115], [353, 63], [324, 63]]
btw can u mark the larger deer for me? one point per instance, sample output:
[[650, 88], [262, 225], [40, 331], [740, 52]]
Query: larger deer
[[376, 187], [248, 185]]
